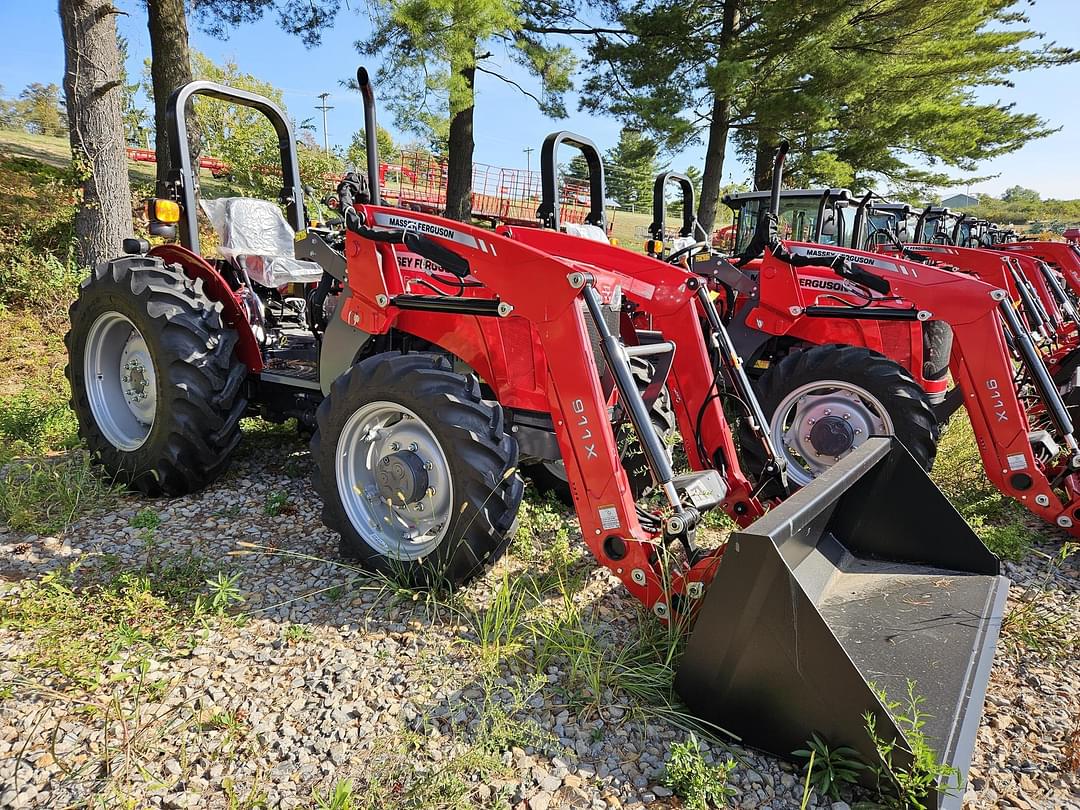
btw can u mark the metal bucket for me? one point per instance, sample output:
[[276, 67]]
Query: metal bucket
[[864, 579]]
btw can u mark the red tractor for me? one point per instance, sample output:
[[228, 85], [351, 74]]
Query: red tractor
[[787, 313], [432, 357]]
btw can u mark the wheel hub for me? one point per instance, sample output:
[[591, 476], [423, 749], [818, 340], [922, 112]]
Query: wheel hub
[[832, 436], [394, 480], [819, 423], [121, 384], [401, 478]]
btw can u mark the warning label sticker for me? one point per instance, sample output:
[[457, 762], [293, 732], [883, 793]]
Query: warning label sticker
[[1017, 461], [609, 517]]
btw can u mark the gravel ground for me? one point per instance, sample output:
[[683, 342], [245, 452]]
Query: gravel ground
[[332, 676]]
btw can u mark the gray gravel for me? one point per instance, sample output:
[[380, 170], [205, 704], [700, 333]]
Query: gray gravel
[[255, 709]]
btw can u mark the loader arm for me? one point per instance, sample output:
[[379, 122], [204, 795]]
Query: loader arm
[[543, 297], [699, 412], [989, 341]]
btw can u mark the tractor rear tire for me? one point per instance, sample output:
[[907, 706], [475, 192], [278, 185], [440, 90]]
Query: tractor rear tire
[[155, 381], [858, 392], [399, 431]]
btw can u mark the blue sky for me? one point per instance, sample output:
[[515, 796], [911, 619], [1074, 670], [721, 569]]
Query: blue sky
[[507, 122]]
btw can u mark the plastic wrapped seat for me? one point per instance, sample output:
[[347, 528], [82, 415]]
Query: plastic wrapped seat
[[255, 234]]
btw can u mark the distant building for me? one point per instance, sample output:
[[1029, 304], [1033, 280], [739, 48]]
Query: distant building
[[960, 201]]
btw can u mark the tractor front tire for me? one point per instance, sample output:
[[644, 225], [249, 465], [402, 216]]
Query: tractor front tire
[[824, 401], [416, 472], [155, 381]]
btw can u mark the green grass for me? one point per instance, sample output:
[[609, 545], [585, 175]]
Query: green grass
[[56, 153], [1001, 523], [699, 784], [147, 519], [906, 787], [402, 774], [34, 422], [76, 631], [1044, 626], [44, 495]]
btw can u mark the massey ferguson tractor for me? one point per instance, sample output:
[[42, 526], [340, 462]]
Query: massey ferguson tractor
[[433, 358], [938, 340]]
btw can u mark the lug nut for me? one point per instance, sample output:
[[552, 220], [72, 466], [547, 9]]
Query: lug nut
[[847, 415], [828, 411], [395, 446], [428, 465], [414, 447], [431, 492]]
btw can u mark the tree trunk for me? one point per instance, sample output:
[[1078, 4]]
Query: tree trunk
[[715, 150], [460, 146], [96, 127], [170, 68], [764, 155], [719, 125]]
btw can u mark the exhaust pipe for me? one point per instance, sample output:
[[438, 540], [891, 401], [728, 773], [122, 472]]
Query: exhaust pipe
[[838, 593], [371, 143], [777, 178]]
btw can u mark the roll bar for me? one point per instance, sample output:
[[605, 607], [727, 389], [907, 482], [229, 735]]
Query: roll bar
[[819, 227], [371, 141], [689, 218], [860, 215], [963, 218], [182, 183], [548, 212]]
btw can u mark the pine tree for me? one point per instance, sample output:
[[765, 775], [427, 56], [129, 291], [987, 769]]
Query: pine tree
[[866, 89], [432, 51], [41, 109], [632, 166]]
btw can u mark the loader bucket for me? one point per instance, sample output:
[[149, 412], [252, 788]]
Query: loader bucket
[[863, 579]]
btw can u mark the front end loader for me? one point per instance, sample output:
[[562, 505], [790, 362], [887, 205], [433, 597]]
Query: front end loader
[[431, 356], [787, 295]]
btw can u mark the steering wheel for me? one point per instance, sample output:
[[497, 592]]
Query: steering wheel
[[689, 250]]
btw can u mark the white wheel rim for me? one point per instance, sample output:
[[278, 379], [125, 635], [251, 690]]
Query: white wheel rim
[[121, 382], [385, 434], [819, 423]]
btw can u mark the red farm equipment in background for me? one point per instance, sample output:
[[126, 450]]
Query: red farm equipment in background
[[416, 180], [1024, 429]]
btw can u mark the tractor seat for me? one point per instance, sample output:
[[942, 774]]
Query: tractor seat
[[257, 238], [593, 232]]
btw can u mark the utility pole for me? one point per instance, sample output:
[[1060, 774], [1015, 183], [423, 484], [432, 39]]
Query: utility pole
[[528, 158], [324, 108]]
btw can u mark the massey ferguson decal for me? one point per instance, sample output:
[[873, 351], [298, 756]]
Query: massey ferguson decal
[[814, 283], [854, 258], [411, 261]]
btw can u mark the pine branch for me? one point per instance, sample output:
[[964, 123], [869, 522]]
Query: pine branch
[[511, 82]]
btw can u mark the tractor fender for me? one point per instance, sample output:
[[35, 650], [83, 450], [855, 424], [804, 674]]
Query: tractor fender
[[195, 266], [341, 346]]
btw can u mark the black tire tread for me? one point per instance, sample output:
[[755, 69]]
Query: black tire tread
[[488, 488], [894, 386], [201, 395]]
